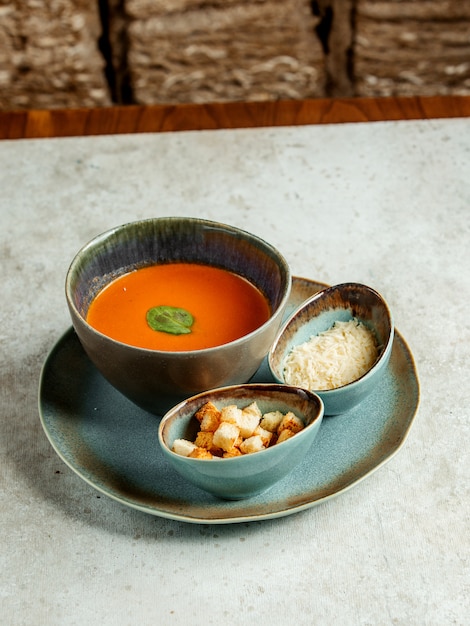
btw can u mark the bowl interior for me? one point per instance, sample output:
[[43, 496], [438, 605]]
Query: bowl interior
[[179, 422], [165, 240], [338, 303]]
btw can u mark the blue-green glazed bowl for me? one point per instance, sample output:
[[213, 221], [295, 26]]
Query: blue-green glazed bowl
[[317, 314], [157, 380], [251, 474]]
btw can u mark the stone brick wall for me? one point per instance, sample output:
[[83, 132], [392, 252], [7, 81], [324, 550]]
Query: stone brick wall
[[192, 51], [414, 47], [81, 53], [49, 55]]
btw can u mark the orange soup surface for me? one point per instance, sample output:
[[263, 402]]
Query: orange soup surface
[[224, 306]]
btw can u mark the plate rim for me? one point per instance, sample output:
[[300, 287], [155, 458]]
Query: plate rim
[[236, 518]]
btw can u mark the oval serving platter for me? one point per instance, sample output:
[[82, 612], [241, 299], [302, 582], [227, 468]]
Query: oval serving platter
[[112, 444]]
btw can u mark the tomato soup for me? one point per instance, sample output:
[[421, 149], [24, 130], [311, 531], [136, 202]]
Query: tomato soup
[[222, 305]]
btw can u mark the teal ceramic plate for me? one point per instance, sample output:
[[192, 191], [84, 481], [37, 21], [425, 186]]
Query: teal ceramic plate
[[113, 445]]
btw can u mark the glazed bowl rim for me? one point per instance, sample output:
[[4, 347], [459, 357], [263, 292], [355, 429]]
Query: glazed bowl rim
[[386, 349], [204, 222], [289, 389]]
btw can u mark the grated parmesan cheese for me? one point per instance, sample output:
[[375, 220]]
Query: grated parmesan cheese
[[334, 358]]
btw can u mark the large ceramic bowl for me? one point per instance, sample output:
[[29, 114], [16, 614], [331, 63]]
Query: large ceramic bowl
[[156, 380], [316, 315], [251, 474]]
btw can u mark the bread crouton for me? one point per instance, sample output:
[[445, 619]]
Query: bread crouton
[[209, 417], [235, 451], [226, 435], [201, 453], [270, 421], [265, 435], [207, 408], [285, 434], [205, 439], [183, 447], [253, 408], [248, 423], [252, 444], [246, 419], [230, 413], [290, 422]]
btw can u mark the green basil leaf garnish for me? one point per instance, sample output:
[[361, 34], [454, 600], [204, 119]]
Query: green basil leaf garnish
[[170, 319]]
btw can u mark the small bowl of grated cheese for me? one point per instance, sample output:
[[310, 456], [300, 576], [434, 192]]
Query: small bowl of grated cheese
[[337, 344]]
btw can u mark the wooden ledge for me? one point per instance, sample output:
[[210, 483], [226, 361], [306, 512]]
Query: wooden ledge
[[170, 118]]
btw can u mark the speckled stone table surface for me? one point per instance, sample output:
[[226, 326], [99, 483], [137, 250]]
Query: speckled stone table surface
[[386, 204]]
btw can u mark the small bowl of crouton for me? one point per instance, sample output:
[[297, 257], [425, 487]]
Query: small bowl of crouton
[[237, 442]]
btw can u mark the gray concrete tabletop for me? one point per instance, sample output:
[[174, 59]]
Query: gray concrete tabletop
[[386, 204]]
